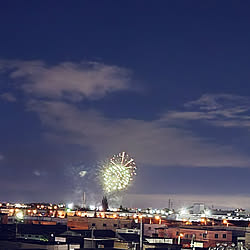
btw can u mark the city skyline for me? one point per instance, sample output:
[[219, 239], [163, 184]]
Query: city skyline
[[166, 82]]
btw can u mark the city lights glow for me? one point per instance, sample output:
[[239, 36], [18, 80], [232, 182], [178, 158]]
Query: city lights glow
[[207, 213], [92, 207], [70, 205], [19, 215], [184, 211]]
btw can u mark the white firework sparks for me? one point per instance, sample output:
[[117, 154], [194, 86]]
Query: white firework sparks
[[117, 173]]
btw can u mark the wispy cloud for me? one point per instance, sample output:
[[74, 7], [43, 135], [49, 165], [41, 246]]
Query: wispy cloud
[[151, 142], [8, 97], [52, 90], [37, 173], [1, 157], [217, 101], [67, 80], [219, 110]]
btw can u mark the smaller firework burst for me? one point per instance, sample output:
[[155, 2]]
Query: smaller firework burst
[[117, 173]]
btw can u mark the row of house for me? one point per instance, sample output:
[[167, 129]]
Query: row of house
[[118, 233]]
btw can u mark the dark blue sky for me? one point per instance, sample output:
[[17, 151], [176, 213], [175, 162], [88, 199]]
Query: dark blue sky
[[166, 81]]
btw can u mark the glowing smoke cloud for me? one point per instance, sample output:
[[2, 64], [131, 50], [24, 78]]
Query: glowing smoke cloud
[[82, 173], [81, 178], [117, 173]]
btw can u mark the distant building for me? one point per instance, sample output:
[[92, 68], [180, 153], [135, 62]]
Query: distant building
[[85, 223], [247, 238], [3, 218], [152, 230], [208, 236], [198, 208]]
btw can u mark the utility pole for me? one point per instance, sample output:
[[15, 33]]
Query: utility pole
[[141, 234], [192, 242], [16, 228], [84, 200], [179, 240], [92, 236]]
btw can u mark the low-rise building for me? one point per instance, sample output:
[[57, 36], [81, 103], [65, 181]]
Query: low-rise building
[[208, 236], [83, 223]]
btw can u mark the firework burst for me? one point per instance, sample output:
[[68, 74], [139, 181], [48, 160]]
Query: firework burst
[[117, 173]]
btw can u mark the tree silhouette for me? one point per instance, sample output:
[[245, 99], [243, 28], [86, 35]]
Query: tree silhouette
[[105, 205]]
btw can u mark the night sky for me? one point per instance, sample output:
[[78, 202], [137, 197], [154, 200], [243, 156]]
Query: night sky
[[166, 81]]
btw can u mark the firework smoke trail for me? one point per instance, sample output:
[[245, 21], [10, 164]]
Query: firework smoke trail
[[83, 179]]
